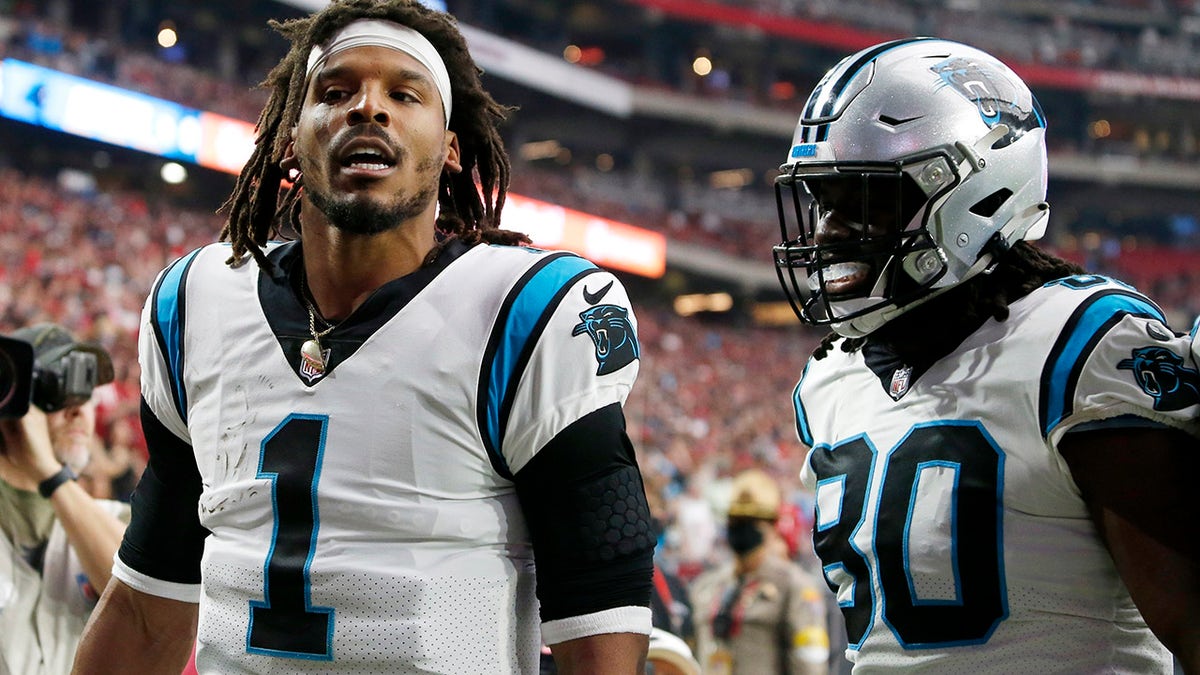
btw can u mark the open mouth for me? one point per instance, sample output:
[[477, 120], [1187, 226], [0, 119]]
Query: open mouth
[[367, 160], [842, 279], [1150, 383], [602, 343], [367, 155]]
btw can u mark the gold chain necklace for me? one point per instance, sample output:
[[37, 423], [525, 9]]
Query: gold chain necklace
[[311, 351]]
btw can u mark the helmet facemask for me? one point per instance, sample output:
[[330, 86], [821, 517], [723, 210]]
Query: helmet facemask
[[951, 120], [856, 240]]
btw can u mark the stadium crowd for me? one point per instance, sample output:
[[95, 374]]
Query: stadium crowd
[[713, 395], [735, 222], [1140, 39]]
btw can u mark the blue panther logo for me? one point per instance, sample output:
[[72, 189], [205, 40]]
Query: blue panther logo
[[1161, 374], [993, 93], [610, 330]]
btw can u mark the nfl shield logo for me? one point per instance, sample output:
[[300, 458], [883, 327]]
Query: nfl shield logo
[[312, 371], [900, 380]]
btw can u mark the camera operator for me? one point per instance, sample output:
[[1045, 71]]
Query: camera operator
[[58, 542]]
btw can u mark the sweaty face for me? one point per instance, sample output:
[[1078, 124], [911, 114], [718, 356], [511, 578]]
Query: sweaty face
[[371, 141], [857, 223]]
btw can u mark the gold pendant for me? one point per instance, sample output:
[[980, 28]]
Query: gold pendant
[[310, 351]]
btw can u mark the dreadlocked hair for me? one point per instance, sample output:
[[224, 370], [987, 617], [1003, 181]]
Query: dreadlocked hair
[[259, 210], [1018, 272]]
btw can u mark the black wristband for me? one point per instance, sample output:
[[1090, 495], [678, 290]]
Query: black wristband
[[48, 486]]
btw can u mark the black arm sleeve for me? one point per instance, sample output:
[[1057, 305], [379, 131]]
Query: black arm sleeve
[[585, 504], [164, 539]]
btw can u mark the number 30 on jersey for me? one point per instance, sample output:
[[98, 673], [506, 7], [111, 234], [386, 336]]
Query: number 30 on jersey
[[922, 537]]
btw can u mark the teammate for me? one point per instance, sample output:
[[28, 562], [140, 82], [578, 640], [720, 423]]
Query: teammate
[[761, 612], [999, 442], [381, 424], [56, 542]]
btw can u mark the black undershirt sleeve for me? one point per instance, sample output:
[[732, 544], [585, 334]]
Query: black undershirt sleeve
[[585, 505], [164, 539]]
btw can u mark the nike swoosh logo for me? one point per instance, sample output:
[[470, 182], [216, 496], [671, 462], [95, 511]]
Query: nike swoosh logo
[[593, 298], [1155, 332]]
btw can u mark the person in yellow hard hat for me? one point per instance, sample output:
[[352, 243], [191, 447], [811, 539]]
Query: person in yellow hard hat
[[761, 612]]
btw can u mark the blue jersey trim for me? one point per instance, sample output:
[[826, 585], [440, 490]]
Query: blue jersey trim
[[1078, 339], [917, 601], [524, 316], [802, 428], [167, 318]]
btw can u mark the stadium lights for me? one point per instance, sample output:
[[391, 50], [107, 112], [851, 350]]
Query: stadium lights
[[731, 179], [773, 314], [173, 173], [167, 37], [535, 150], [694, 303], [102, 112]]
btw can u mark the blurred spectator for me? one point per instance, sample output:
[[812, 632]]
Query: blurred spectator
[[670, 604], [116, 466], [761, 613], [56, 542]]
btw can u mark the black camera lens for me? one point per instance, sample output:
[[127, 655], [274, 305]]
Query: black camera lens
[[8, 378], [16, 375]]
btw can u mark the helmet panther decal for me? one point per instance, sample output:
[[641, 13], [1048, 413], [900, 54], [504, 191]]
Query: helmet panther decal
[[1161, 374], [614, 337], [993, 93]]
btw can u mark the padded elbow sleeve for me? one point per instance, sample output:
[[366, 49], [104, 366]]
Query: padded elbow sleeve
[[585, 505], [164, 539]]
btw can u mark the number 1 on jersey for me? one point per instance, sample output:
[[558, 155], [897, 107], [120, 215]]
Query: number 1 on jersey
[[285, 624]]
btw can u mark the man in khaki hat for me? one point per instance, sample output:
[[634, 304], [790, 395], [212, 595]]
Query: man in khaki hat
[[56, 542], [760, 613]]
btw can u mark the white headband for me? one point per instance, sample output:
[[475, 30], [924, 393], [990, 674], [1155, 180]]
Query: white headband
[[380, 33]]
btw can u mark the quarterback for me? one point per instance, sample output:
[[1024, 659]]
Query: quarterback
[[1000, 444], [396, 444]]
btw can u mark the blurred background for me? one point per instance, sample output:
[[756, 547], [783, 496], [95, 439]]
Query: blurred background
[[647, 136]]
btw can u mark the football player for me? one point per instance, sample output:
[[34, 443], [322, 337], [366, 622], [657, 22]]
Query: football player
[[361, 440], [1001, 445]]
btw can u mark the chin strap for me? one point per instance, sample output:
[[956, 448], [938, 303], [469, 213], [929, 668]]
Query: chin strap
[[865, 325]]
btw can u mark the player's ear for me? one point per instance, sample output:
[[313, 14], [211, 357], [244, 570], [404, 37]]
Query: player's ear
[[453, 161], [290, 164]]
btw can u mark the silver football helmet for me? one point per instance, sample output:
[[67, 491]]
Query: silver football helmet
[[914, 165]]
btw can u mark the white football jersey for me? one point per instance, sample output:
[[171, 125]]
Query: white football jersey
[[362, 517], [947, 522]]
